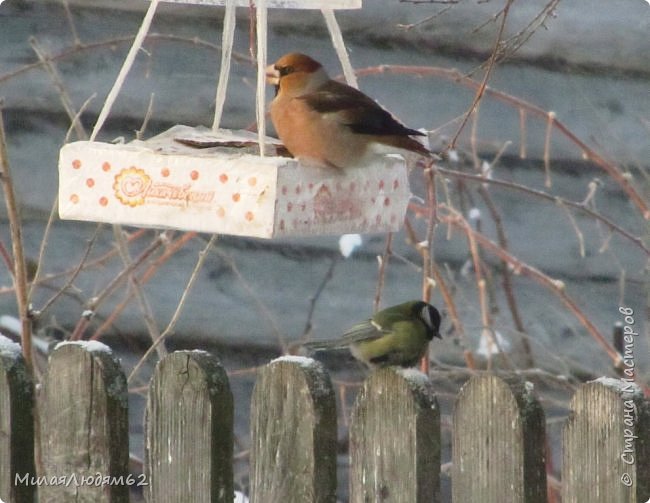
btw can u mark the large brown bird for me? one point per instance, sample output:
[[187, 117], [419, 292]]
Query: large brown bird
[[323, 122]]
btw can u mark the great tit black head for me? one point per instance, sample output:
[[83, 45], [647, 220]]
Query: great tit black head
[[430, 317]]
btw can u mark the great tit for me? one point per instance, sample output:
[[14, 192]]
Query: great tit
[[397, 335]]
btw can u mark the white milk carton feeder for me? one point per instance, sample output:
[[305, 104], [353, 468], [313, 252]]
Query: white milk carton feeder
[[216, 181]]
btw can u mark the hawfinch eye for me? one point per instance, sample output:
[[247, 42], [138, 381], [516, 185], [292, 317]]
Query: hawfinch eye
[[285, 70]]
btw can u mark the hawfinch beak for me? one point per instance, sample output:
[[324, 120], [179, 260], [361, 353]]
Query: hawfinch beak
[[329, 124], [272, 75]]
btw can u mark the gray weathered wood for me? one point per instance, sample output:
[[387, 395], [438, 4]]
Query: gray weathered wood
[[498, 442], [395, 439], [16, 426], [603, 462], [293, 423], [189, 431], [84, 430]]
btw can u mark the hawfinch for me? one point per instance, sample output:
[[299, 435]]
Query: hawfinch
[[326, 123]]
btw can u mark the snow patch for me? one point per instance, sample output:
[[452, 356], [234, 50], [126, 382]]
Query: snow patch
[[414, 376], [348, 243], [240, 497], [90, 346], [621, 386], [11, 324], [487, 346], [303, 361], [9, 348]]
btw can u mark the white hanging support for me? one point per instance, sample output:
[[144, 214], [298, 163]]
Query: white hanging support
[[126, 66], [214, 180], [227, 38], [339, 46], [261, 73]]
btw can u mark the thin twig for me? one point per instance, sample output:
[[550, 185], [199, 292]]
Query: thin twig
[[427, 251], [549, 197], [547, 149], [522, 133], [139, 134], [91, 263], [515, 42], [506, 274], [6, 258], [112, 42], [75, 272], [19, 268], [429, 18], [314, 298], [95, 302], [576, 228], [421, 2], [152, 269], [66, 101], [252, 292], [520, 267], [447, 297], [71, 24], [179, 308], [77, 118], [588, 153], [145, 307], [381, 276], [488, 72], [251, 31]]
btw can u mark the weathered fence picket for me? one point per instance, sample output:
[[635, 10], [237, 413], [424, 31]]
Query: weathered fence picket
[[16, 424], [293, 433], [189, 431], [498, 440], [84, 425], [395, 439], [607, 444]]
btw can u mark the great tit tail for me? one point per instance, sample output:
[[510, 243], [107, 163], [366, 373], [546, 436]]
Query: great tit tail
[[322, 345]]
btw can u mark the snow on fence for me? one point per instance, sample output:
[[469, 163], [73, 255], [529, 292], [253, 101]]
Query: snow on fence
[[498, 445]]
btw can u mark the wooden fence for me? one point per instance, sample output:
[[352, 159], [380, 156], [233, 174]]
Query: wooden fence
[[498, 452]]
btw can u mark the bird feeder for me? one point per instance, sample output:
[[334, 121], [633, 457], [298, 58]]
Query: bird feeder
[[228, 182]]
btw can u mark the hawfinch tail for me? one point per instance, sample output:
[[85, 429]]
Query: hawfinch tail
[[326, 123]]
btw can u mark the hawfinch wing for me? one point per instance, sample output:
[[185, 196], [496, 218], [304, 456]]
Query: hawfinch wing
[[355, 110]]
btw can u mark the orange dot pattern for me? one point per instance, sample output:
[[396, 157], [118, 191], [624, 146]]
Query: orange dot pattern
[[298, 198]]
